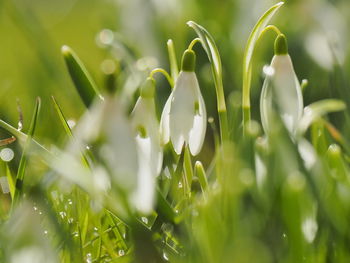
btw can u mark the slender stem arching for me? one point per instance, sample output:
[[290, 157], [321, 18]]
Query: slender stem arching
[[247, 79], [165, 74], [193, 42]]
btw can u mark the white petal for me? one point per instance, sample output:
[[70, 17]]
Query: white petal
[[288, 91], [164, 121], [197, 133], [119, 150], [307, 153], [144, 196], [283, 87], [182, 109], [144, 114], [261, 171]]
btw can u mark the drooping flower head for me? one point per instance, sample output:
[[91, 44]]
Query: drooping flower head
[[281, 87], [183, 119], [149, 150]]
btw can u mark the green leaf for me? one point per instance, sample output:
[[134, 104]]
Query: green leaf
[[213, 54], [10, 181], [164, 210], [81, 78], [200, 173], [316, 110], [23, 162], [215, 61], [62, 118], [248, 54]]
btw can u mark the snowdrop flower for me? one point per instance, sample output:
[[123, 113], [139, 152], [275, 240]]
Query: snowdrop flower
[[149, 150], [184, 117], [282, 87]]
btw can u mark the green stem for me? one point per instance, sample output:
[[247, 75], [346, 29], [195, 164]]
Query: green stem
[[193, 42], [247, 80], [165, 73]]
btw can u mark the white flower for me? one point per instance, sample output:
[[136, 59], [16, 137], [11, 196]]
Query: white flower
[[282, 87], [184, 118], [149, 150]]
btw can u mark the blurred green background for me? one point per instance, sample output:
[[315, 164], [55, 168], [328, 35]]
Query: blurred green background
[[33, 31]]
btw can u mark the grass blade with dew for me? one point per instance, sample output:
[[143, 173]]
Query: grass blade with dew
[[23, 162], [66, 126], [213, 54], [247, 59], [81, 78]]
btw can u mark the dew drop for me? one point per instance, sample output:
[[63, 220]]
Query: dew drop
[[71, 123], [180, 185], [63, 214], [105, 37], [88, 258], [144, 220], [165, 256], [121, 252], [7, 154], [268, 70]]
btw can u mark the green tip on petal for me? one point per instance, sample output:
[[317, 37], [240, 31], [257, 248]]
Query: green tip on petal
[[148, 88], [281, 46], [188, 61]]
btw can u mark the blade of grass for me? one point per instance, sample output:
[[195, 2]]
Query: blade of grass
[[316, 110], [81, 78], [10, 181], [23, 162], [200, 173], [66, 127]]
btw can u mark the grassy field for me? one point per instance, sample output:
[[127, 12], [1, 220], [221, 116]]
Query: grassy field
[[180, 131]]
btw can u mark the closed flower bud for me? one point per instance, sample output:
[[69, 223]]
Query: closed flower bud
[[281, 87]]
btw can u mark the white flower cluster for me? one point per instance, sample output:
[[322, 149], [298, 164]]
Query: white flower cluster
[[131, 151]]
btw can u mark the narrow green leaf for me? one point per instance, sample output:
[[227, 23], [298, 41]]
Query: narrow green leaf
[[200, 173], [23, 162], [188, 169], [316, 110], [10, 181], [213, 54], [22, 137], [248, 54], [67, 128], [164, 210], [81, 78], [62, 118], [338, 167], [174, 69]]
